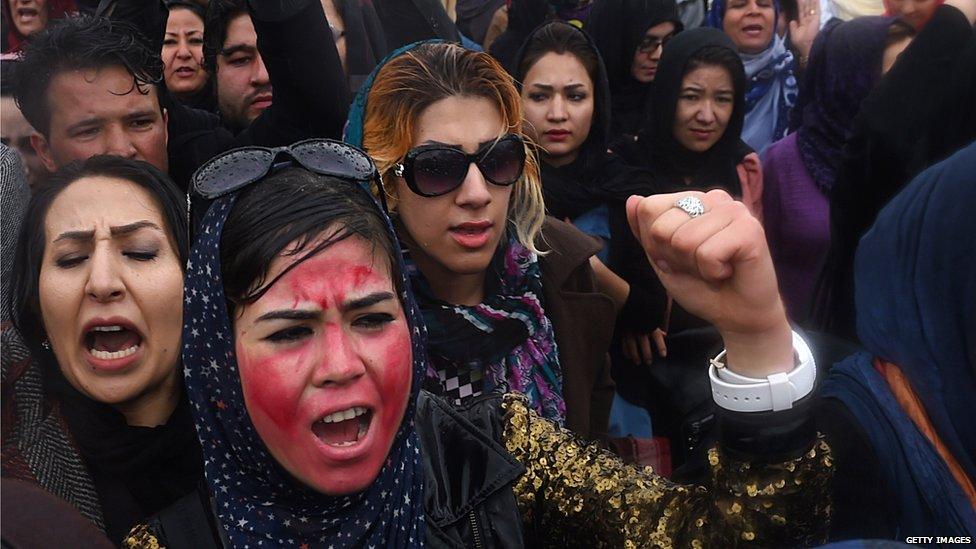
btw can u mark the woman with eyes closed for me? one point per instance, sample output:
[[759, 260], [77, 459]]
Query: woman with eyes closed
[[769, 65], [444, 126], [630, 36], [97, 296], [182, 55], [305, 355]]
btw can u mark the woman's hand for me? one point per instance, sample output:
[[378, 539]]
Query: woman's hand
[[804, 31], [717, 266]]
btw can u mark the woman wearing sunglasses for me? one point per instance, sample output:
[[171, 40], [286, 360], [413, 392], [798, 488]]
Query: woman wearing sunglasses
[[508, 295], [305, 353]]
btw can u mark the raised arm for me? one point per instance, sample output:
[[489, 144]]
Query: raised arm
[[770, 473], [311, 98], [580, 495]]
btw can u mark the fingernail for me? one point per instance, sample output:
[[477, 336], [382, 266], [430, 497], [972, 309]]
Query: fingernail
[[663, 265]]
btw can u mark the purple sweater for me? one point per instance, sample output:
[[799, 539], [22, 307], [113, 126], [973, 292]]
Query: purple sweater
[[796, 216]]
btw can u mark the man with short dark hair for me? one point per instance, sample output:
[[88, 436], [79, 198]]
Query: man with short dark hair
[[86, 91], [231, 55], [91, 85]]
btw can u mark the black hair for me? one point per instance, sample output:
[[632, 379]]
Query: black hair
[[197, 9], [81, 43], [716, 56], [25, 278], [295, 205], [219, 15], [7, 68], [560, 38]]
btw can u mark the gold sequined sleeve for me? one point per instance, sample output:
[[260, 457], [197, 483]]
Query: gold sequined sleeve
[[579, 495], [142, 537]]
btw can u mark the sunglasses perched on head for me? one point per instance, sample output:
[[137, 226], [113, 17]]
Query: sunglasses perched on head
[[433, 170], [235, 169]]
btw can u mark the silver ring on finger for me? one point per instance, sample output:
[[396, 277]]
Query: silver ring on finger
[[691, 205]]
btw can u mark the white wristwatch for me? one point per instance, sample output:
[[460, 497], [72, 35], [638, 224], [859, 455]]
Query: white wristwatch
[[774, 393]]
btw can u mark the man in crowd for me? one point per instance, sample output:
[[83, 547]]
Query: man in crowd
[[231, 55], [91, 85]]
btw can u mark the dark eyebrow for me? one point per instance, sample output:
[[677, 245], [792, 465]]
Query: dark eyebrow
[[691, 88], [141, 114], [307, 314], [86, 122], [231, 50], [544, 87], [367, 301], [290, 314], [75, 235], [120, 230]]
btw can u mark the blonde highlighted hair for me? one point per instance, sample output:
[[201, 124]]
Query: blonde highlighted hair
[[411, 82]]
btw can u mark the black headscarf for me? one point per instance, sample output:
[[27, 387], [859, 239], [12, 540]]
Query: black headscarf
[[617, 27], [137, 471], [523, 16], [583, 184], [670, 161]]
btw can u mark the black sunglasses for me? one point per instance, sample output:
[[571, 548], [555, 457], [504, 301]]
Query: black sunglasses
[[235, 169], [433, 170]]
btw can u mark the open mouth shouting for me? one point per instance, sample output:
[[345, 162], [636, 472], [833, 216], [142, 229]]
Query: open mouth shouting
[[753, 31], [112, 344], [345, 427]]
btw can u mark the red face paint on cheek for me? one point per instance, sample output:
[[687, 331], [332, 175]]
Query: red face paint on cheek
[[273, 387], [395, 378]]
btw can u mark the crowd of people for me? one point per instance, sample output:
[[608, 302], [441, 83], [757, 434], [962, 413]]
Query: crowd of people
[[490, 273]]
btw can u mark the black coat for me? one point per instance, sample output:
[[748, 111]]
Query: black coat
[[468, 476]]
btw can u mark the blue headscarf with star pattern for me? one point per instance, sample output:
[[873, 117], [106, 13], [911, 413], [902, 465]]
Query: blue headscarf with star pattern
[[257, 502]]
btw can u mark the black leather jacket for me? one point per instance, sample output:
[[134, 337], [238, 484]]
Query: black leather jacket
[[469, 476]]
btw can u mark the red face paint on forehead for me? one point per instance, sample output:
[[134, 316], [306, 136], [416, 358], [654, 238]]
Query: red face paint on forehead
[[331, 276], [297, 371]]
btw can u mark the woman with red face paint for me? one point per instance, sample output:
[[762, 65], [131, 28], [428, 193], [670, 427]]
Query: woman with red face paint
[[305, 353]]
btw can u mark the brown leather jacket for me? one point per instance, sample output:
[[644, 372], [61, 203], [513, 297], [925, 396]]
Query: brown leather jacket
[[583, 321]]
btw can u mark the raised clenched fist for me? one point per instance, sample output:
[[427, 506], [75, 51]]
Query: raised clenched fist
[[718, 267]]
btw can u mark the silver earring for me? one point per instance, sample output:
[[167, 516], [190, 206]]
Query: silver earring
[[46, 345]]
